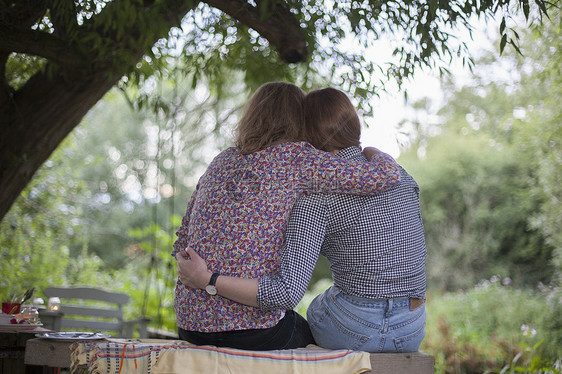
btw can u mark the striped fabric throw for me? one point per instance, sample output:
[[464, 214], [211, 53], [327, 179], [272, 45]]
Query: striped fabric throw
[[155, 356]]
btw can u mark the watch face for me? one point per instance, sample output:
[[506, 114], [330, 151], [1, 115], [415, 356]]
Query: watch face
[[211, 290]]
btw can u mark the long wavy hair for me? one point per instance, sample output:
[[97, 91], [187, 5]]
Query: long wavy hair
[[331, 121], [274, 114]]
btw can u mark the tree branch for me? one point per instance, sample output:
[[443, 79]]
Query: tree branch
[[39, 43], [63, 17], [23, 13], [278, 25], [5, 89]]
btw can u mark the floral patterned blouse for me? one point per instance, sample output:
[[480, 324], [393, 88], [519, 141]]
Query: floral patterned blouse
[[238, 213]]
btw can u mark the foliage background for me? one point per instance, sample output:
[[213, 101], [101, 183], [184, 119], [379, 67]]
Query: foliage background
[[103, 210]]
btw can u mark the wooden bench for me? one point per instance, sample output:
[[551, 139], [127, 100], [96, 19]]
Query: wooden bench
[[48, 353], [78, 313], [415, 362]]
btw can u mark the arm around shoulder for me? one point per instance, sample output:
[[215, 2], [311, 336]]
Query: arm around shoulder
[[327, 173]]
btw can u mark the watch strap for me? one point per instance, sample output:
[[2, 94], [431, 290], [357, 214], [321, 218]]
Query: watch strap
[[213, 279]]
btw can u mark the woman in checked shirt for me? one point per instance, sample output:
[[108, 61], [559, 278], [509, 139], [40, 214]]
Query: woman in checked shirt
[[375, 246], [238, 214]]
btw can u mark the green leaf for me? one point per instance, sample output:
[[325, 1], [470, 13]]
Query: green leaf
[[516, 47], [516, 34], [503, 43], [526, 9]]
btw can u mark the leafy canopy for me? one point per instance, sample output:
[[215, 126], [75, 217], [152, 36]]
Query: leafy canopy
[[60, 57], [214, 35]]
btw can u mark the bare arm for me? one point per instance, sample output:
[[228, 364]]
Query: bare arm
[[193, 273]]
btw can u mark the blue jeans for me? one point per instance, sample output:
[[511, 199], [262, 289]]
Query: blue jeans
[[340, 321]]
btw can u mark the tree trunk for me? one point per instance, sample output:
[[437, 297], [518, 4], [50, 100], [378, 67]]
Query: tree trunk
[[42, 114]]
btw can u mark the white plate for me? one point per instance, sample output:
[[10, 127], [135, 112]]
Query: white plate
[[20, 326], [5, 318], [72, 336]]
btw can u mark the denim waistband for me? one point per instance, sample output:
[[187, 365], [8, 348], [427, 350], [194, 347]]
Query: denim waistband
[[410, 302]]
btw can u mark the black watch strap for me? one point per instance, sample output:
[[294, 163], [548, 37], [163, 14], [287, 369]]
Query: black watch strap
[[213, 279], [210, 288]]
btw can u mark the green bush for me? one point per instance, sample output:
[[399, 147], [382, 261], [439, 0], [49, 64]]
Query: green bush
[[493, 328], [43, 237]]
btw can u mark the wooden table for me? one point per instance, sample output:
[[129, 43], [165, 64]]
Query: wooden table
[[12, 351], [48, 353]]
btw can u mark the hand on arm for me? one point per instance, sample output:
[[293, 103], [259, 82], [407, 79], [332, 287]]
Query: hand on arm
[[370, 152], [192, 269], [193, 273]]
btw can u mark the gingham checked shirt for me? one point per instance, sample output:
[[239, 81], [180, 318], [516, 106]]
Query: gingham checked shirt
[[375, 244]]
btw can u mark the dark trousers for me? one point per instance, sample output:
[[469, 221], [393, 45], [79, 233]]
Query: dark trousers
[[291, 332]]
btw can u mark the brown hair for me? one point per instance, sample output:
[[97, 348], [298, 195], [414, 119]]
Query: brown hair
[[331, 121], [274, 114]]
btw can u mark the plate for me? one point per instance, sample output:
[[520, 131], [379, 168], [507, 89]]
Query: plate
[[72, 336], [21, 325], [5, 318]]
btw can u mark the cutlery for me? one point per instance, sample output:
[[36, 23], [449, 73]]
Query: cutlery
[[25, 297]]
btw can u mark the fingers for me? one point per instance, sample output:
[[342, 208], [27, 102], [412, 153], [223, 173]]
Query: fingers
[[369, 152], [183, 274], [192, 269], [182, 256], [191, 252], [187, 254], [186, 267]]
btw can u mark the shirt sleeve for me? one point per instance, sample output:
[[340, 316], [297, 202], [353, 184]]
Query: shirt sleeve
[[183, 239], [323, 172], [303, 241]]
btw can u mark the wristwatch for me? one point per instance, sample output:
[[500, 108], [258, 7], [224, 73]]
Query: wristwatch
[[210, 288]]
